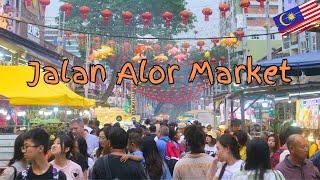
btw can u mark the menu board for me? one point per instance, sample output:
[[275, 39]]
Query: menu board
[[307, 113]]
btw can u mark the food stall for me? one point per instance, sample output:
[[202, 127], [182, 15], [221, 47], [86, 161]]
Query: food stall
[[42, 104]]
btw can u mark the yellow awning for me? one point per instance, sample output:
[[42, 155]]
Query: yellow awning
[[109, 114], [13, 85]]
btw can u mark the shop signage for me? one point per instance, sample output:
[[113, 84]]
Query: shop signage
[[34, 31], [308, 113]]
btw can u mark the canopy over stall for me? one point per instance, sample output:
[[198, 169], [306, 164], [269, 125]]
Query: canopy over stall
[[309, 63], [13, 86], [307, 60]]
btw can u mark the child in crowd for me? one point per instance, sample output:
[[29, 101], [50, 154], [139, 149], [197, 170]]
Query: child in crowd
[[210, 147], [134, 143]]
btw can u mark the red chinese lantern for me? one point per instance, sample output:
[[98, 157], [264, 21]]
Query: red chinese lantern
[[213, 61], [245, 5], [207, 12], [200, 43], [68, 35], [43, 5], [67, 9], [167, 17], [97, 42], [215, 41], [185, 46], [82, 39], [168, 47], [27, 3], [111, 43], [261, 3], [84, 11], [127, 16], [97, 39], [146, 18], [224, 7], [222, 59], [125, 47], [239, 34], [185, 15], [106, 14], [156, 47]]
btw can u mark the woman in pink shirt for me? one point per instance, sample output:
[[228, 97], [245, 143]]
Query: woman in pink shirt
[[61, 149]]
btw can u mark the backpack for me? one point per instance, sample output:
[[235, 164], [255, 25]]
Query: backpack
[[223, 169], [170, 161], [55, 173]]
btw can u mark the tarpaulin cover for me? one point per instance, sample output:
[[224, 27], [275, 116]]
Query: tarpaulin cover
[[13, 85]]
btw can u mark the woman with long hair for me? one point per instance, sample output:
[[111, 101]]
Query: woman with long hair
[[104, 143], [173, 151], [257, 166], [77, 157], [61, 149], [156, 168], [273, 144], [228, 153], [17, 163], [242, 138]]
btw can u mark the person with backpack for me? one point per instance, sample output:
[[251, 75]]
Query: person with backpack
[[18, 163], [173, 151], [35, 147], [163, 140], [111, 167], [155, 167], [257, 164]]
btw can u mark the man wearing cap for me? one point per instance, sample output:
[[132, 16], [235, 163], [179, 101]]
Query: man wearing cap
[[210, 147]]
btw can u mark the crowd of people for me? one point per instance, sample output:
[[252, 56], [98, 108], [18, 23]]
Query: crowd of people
[[161, 151]]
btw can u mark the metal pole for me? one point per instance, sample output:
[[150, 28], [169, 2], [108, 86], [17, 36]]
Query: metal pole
[[86, 87], [19, 17], [242, 108], [269, 55]]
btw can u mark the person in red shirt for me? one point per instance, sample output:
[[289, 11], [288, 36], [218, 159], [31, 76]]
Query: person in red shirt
[[173, 150], [273, 143]]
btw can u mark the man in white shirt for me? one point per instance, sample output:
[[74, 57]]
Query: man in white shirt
[[86, 125], [77, 127]]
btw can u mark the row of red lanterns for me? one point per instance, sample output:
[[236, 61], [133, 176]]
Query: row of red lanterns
[[147, 16], [166, 96]]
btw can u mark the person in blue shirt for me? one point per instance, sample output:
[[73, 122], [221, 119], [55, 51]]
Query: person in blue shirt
[[163, 140], [134, 143]]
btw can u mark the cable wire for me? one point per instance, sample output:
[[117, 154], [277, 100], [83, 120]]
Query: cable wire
[[133, 37]]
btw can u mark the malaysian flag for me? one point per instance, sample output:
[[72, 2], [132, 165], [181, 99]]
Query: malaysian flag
[[299, 19]]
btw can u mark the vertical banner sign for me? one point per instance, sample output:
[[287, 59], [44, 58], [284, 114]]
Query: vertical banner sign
[[133, 99]]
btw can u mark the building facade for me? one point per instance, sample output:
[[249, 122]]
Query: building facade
[[254, 23], [59, 38]]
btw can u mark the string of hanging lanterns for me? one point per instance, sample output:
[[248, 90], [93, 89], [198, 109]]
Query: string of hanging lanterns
[[146, 17]]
